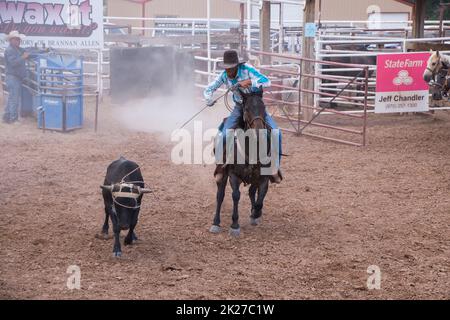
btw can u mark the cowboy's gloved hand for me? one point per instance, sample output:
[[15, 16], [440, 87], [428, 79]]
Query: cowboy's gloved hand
[[245, 83], [234, 87], [210, 103]]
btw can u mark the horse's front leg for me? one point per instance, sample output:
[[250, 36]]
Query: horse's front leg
[[255, 218], [252, 195], [117, 250], [235, 229], [221, 185]]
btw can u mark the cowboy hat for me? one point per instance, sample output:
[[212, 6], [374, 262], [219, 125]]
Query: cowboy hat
[[230, 59], [15, 34]]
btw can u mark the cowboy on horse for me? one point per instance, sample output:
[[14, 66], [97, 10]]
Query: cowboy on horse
[[239, 76]]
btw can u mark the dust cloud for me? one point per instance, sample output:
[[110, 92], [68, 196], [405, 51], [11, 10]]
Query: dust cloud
[[164, 114]]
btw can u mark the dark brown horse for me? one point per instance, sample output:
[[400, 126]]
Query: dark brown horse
[[258, 136]]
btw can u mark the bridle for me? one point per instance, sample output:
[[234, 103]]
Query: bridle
[[248, 124], [434, 72]]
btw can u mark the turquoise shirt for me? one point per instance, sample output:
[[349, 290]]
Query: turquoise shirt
[[245, 72]]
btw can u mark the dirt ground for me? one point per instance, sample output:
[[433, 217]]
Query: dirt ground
[[339, 210]]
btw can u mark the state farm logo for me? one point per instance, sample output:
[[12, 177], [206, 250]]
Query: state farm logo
[[403, 77], [71, 18]]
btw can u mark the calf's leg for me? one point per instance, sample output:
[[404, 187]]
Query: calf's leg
[[117, 250], [131, 236]]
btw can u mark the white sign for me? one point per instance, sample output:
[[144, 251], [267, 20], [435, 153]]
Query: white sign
[[68, 24], [400, 86]]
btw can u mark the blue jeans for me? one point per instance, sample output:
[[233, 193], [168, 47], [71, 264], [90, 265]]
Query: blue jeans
[[14, 86], [234, 119]]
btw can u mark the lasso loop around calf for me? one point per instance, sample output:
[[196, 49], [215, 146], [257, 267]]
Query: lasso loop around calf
[[127, 184]]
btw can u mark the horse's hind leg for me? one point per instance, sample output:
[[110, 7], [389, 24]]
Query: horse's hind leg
[[221, 185], [235, 229], [255, 218]]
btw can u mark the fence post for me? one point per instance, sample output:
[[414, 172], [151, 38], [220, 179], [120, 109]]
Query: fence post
[[96, 111], [208, 26], [281, 36], [317, 81], [366, 90], [99, 72], [264, 34], [300, 97], [308, 66]]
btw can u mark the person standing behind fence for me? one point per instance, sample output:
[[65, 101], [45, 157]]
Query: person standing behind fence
[[16, 72]]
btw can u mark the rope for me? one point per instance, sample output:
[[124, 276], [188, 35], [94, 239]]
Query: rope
[[125, 206], [138, 167], [227, 104], [122, 181]]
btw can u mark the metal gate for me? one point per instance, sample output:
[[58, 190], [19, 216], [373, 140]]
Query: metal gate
[[330, 119]]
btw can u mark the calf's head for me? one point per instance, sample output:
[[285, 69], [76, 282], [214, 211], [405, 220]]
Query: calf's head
[[126, 201]]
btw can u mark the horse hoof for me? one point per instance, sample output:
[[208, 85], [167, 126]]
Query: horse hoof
[[214, 229], [117, 254], [255, 222], [235, 232]]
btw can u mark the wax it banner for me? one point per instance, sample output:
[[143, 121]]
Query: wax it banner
[[71, 24]]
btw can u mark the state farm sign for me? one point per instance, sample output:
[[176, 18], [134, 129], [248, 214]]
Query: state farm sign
[[55, 23], [400, 86]]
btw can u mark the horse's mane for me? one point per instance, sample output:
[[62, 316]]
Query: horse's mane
[[445, 59]]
